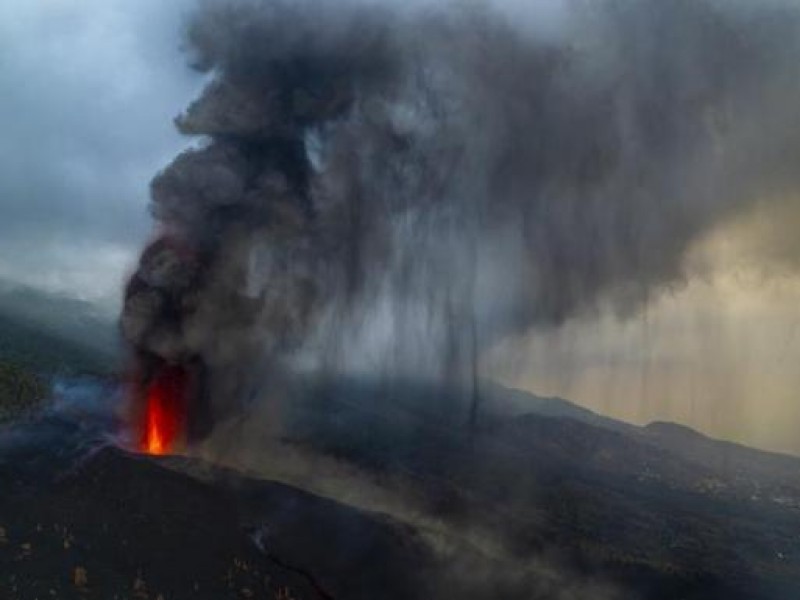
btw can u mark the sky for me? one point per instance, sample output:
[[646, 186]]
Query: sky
[[88, 93]]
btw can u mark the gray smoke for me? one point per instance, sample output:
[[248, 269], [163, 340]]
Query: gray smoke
[[398, 189]]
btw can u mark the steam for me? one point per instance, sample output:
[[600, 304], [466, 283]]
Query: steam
[[397, 189]]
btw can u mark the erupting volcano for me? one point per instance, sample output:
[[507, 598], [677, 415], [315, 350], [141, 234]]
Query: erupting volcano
[[403, 194], [163, 423], [382, 214]]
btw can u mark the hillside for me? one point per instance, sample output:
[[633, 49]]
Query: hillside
[[50, 334], [378, 489], [714, 519], [20, 391]]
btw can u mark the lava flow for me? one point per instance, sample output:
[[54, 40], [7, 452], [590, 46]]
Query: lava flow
[[163, 424]]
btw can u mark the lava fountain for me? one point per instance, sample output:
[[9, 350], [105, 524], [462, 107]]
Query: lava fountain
[[164, 415]]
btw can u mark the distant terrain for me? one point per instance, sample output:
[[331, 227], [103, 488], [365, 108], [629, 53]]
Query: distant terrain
[[43, 337], [20, 391], [54, 334]]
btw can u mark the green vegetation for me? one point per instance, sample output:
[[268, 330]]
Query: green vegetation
[[20, 391]]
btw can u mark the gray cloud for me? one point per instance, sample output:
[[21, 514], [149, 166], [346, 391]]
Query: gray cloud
[[89, 90]]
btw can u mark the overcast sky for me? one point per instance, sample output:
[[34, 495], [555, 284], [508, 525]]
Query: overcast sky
[[88, 92]]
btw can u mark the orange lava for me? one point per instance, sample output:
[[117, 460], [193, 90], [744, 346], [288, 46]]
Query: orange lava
[[164, 420]]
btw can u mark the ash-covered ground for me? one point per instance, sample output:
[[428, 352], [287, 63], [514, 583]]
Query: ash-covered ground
[[357, 502]]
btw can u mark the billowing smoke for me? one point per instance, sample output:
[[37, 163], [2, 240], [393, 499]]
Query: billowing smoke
[[397, 189]]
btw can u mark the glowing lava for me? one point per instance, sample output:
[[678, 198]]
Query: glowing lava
[[164, 419]]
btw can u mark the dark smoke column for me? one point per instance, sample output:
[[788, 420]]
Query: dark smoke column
[[234, 274]]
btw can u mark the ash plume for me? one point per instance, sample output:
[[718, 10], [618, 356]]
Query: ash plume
[[397, 189]]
